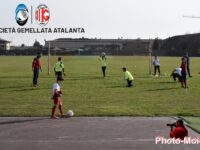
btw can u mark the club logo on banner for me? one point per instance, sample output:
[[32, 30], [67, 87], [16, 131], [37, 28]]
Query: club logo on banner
[[21, 14], [42, 15]]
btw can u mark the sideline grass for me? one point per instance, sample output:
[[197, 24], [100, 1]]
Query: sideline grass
[[193, 122], [88, 94]]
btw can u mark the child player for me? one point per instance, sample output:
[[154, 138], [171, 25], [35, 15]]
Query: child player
[[103, 59], [184, 73], [57, 93], [128, 77]]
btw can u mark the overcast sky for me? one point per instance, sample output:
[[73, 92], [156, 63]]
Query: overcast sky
[[107, 18]]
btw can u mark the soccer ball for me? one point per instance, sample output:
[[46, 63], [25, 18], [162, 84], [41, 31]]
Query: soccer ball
[[70, 113]]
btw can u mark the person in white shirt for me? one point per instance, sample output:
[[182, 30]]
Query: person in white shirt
[[176, 73], [56, 94], [156, 64]]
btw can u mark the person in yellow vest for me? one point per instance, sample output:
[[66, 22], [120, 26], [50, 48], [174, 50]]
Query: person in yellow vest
[[128, 77], [59, 68], [103, 59]]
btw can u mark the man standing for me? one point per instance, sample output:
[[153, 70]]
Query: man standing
[[36, 66], [156, 64], [59, 68], [128, 77], [184, 73], [188, 64], [103, 59]]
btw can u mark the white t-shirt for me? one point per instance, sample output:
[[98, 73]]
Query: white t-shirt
[[179, 71], [56, 87], [156, 62]]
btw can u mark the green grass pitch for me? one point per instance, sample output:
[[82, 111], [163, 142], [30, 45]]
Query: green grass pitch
[[88, 94]]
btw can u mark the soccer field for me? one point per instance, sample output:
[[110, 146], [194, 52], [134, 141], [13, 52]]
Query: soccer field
[[88, 94]]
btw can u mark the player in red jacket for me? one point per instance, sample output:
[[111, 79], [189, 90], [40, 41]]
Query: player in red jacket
[[36, 66], [179, 132], [184, 73]]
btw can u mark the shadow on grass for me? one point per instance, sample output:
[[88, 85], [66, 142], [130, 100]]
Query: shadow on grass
[[174, 82], [28, 89], [117, 86], [84, 78], [163, 89], [12, 87], [21, 121]]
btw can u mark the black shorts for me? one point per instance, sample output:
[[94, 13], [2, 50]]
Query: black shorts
[[59, 74]]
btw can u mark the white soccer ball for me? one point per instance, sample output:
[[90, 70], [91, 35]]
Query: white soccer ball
[[70, 113]]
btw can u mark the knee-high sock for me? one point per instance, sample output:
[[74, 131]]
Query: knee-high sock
[[185, 83], [60, 108], [53, 111]]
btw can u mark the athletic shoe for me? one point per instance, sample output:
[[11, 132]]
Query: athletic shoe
[[54, 117], [62, 116]]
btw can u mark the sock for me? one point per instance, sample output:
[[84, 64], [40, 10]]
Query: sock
[[60, 108], [53, 111], [185, 83], [182, 83]]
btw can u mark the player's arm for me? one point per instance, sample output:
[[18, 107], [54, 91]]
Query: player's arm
[[40, 64], [59, 93], [55, 69], [63, 69], [32, 66], [173, 132]]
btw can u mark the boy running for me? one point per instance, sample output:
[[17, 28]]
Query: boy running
[[57, 93]]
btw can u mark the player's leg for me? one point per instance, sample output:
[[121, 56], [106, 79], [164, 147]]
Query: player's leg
[[159, 70], [154, 70], [179, 78], [103, 71], [59, 74], [36, 76], [188, 69], [129, 83], [60, 107], [53, 111], [185, 82], [182, 81]]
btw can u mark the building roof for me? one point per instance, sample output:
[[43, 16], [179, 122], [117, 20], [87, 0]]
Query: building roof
[[97, 40], [4, 41]]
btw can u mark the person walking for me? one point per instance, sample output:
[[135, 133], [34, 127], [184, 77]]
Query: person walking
[[57, 93], [188, 64]]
